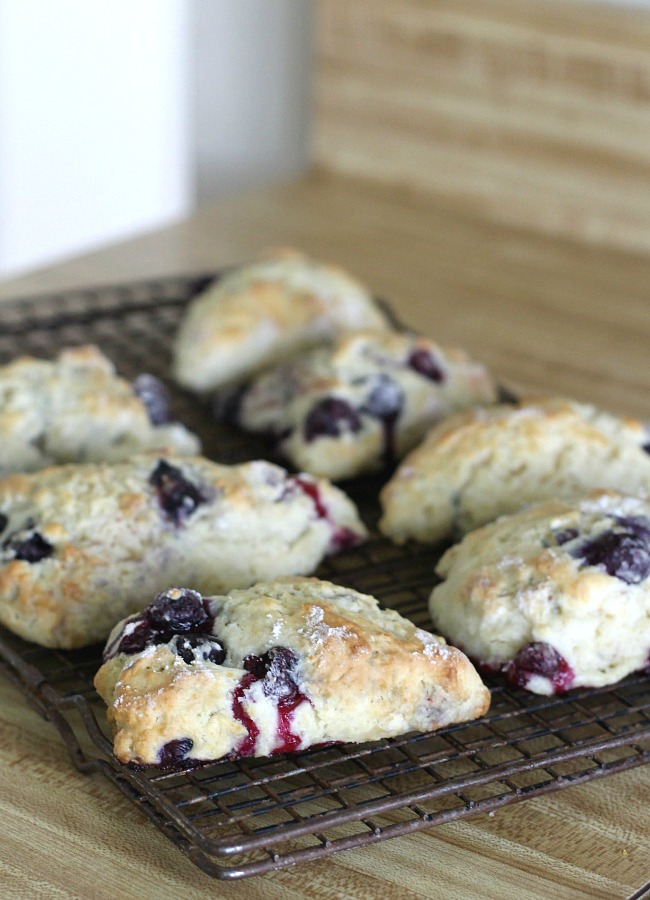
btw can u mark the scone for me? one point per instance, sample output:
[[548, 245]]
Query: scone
[[276, 668], [483, 463], [264, 312], [76, 409], [557, 596], [79, 544], [363, 403]]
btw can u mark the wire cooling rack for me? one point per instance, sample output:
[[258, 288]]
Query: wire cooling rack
[[247, 817]]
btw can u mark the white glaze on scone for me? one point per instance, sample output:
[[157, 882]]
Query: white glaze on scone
[[363, 403], [570, 576], [303, 662], [80, 544], [265, 312], [482, 463], [76, 409]]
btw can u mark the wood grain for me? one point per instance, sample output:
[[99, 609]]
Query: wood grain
[[533, 112], [545, 313]]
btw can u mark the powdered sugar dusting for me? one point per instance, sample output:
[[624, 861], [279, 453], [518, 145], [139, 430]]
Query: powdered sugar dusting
[[317, 631], [434, 648]]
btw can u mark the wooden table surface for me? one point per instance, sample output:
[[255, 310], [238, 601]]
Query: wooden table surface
[[544, 314]]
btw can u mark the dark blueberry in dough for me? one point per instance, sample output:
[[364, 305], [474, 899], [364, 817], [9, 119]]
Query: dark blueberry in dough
[[179, 611], [278, 669], [638, 525], [384, 402], [624, 554], [196, 648], [174, 752], [3, 522], [539, 658], [385, 398], [177, 496], [563, 537], [32, 549], [137, 635], [330, 417], [423, 363], [155, 397]]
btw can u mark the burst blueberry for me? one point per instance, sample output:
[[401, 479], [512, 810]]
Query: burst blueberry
[[385, 398], [278, 668], [538, 659]]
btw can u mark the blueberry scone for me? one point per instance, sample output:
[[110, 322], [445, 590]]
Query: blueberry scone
[[276, 668], [76, 409], [354, 407], [79, 544], [483, 463], [262, 313], [556, 596]]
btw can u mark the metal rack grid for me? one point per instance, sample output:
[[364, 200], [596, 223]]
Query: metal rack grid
[[246, 817]]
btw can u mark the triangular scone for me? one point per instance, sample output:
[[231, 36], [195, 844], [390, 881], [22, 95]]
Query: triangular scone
[[75, 408], [483, 463], [362, 403], [264, 312], [556, 596], [279, 667], [80, 544]]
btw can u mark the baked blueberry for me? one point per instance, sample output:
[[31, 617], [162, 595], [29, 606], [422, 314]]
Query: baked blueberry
[[330, 417], [177, 496], [136, 635], [179, 610], [563, 537], [385, 398], [198, 648], [31, 549], [384, 402], [278, 669], [174, 753], [541, 660], [624, 554], [155, 397], [423, 363]]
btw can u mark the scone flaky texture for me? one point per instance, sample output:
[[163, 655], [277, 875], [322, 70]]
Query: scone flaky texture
[[483, 463], [557, 595], [264, 312], [75, 408], [80, 544], [362, 403], [302, 662]]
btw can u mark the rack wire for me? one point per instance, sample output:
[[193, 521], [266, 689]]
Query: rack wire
[[251, 816]]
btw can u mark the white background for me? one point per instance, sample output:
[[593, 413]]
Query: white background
[[118, 116]]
